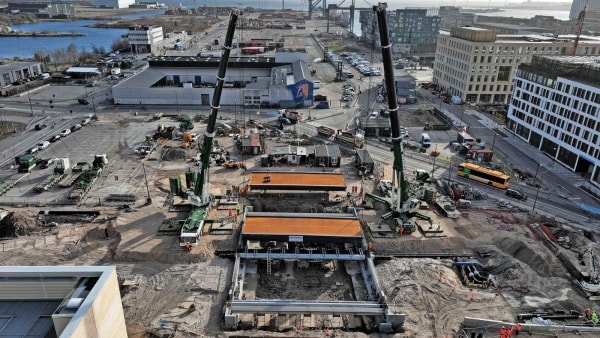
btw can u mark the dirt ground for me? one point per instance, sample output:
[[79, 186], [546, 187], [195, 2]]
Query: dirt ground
[[160, 281]]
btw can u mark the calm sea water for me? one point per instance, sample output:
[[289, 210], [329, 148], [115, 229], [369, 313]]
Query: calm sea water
[[101, 37]]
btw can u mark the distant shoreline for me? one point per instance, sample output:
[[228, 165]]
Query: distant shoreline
[[39, 34]]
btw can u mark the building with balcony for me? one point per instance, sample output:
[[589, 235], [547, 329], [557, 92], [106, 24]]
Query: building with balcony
[[412, 31], [143, 38], [478, 65], [556, 107]]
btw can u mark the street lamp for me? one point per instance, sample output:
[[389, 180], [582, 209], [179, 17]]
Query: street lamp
[[461, 119], [30, 105], [537, 193]]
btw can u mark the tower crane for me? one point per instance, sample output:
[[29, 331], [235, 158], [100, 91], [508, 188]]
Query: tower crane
[[580, 20]]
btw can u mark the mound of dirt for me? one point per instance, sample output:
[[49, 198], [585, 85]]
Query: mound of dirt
[[174, 154], [17, 224]]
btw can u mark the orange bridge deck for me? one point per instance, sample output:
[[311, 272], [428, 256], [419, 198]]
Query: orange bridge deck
[[314, 228], [297, 181]]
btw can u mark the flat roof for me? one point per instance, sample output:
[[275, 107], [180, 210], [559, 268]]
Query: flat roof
[[265, 225], [36, 276], [27, 318], [306, 181], [16, 65]]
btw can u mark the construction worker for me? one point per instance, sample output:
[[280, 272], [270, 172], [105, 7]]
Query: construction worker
[[188, 246], [588, 314], [503, 332], [370, 246], [517, 329], [594, 318], [237, 209], [230, 212]]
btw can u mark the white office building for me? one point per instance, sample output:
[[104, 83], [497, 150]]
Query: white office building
[[556, 108], [478, 65], [114, 3], [143, 38]]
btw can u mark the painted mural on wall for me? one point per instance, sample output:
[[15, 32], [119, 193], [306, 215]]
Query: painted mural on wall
[[301, 91]]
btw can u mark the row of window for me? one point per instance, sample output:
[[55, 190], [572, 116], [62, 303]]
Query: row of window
[[490, 88]]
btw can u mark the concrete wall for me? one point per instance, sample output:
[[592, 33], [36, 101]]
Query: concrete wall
[[105, 317]]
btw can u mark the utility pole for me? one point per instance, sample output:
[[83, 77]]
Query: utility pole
[[30, 105], [148, 200]]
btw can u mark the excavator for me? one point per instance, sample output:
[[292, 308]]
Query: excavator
[[200, 196], [402, 206]]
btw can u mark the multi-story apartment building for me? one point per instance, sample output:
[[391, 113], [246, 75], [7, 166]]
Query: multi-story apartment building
[[142, 38], [556, 108], [592, 14], [478, 65], [411, 30]]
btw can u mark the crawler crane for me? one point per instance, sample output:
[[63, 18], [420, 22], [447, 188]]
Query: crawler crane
[[402, 205], [200, 196]]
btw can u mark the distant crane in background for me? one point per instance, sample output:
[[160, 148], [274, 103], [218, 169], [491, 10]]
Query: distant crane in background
[[580, 20]]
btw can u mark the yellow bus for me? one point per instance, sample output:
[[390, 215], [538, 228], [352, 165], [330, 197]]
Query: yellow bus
[[493, 178]]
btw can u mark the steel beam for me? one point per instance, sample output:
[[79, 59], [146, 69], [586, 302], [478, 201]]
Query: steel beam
[[300, 307], [308, 256]]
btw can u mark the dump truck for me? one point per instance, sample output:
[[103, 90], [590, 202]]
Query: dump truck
[[26, 163], [325, 131], [349, 139]]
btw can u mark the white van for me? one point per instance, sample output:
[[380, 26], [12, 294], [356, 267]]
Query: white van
[[43, 145], [316, 84], [425, 140]]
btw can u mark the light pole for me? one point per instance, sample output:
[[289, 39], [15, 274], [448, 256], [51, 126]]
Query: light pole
[[30, 105], [148, 200], [537, 193], [461, 118]]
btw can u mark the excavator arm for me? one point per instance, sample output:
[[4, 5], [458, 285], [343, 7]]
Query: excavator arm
[[201, 195]]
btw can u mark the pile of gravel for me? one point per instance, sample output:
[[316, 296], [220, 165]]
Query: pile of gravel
[[174, 154]]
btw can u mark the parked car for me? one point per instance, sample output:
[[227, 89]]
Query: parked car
[[322, 105], [65, 132], [46, 163], [54, 138], [43, 145], [76, 127], [86, 122], [40, 126], [83, 101], [516, 194]]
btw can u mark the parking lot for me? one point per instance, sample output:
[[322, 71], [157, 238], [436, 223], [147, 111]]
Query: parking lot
[[116, 138]]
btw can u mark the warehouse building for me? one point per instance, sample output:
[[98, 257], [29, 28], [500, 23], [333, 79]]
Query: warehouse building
[[60, 301], [252, 81], [479, 66], [13, 72], [555, 107]]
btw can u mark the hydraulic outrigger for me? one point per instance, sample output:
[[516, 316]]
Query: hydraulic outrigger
[[402, 206]]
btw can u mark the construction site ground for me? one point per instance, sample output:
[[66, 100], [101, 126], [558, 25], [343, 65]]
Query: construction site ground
[[160, 281]]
